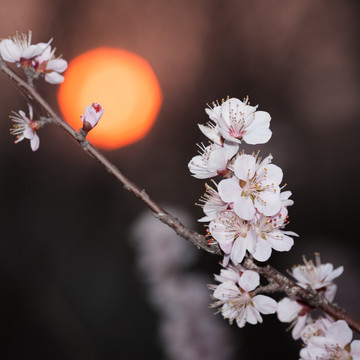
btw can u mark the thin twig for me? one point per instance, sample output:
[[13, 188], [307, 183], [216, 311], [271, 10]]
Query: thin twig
[[283, 283]]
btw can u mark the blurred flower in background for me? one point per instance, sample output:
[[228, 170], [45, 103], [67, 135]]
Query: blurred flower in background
[[187, 329]]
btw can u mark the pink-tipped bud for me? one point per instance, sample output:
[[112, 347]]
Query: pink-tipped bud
[[93, 113]]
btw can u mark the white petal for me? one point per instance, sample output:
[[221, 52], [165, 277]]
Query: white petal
[[304, 354], [9, 51], [221, 233], [231, 149], [211, 133], [299, 274], [226, 247], [54, 78], [280, 242], [314, 352], [35, 142], [196, 165], [229, 189], [241, 320], [274, 174], [238, 250], [32, 51], [214, 113], [355, 349], [335, 273], [258, 131], [265, 304], [252, 315], [228, 275], [244, 207], [287, 309], [257, 136], [58, 65], [263, 250], [285, 195], [218, 160], [30, 111], [299, 326], [251, 240], [28, 133], [226, 260], [249, 280], [330, 292], [340, 332], [244, 167], [269, 203], [226, 290]]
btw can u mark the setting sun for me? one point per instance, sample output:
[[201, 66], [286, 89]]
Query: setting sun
[[126, 87]]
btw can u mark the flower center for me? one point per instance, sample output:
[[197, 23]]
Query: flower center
[[33, 125]]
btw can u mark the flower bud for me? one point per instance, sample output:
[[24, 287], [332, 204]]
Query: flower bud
[[93, 113]]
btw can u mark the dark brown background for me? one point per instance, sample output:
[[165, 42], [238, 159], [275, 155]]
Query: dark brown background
[[69, 283]]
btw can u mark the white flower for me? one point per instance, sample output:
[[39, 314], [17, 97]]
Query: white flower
[[255, 186], [332, 344], [39, 58], [316, 327], [234, 296], [212, 204], [318, 277], [267, 234], [212, 161], [25, 128], [231, 232], [238, 121], [19, 49], [295, 312], [93, 113]]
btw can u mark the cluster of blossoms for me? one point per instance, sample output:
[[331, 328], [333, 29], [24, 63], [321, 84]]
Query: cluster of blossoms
[[37, 59], [325, 339], [247, 210], [247, 213], [25, 127], [316, 276]]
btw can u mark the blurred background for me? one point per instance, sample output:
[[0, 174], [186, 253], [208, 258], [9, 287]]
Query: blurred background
[[71, 286]]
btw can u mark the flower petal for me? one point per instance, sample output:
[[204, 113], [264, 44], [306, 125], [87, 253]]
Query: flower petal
[[58, 65], [299, 326], [263, 250], [287, 309], [355, 349], [279, 241], [9, 51], [340, 332], [35, 142], [249, 280], [229, 189], [265, 304], [244, 207], [238, 250], [54, 78], [244, 167]]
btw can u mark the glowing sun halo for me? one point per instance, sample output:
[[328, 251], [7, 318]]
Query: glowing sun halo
[[123, 83]]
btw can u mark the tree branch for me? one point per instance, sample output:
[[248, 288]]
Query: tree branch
[[284, 284]]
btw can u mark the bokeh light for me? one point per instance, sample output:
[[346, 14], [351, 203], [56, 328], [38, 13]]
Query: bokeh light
[[123, 83]]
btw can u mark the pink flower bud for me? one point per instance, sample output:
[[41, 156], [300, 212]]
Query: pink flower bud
[[93, 113]]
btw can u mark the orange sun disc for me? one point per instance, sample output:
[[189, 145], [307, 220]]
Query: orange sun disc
[[126, 87]]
